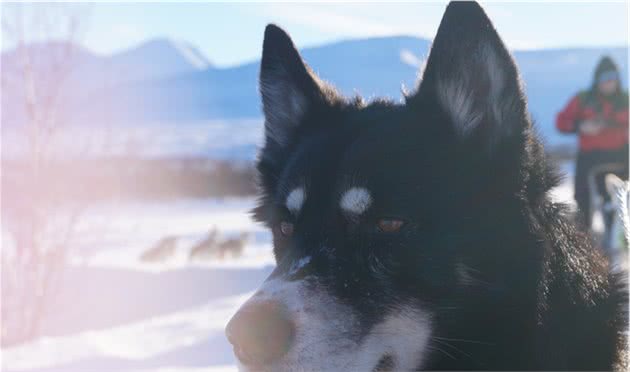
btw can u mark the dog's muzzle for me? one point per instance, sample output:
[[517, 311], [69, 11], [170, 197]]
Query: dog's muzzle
[[290, 325]]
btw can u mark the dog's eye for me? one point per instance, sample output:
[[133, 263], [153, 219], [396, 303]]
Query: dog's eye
[[286, 228], [389, 225]]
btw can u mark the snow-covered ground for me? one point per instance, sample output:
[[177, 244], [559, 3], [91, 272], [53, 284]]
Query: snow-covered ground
[[118, 313]]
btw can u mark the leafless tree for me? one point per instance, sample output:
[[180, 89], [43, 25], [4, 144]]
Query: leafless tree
[[39, 219]]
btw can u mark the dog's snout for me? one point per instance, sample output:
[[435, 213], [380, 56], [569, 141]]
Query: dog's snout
[[260, 333]]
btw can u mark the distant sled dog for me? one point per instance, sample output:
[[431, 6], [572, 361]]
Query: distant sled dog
[[211, 248], [206, 248], [161, 251], [234, 246], [420, 235]]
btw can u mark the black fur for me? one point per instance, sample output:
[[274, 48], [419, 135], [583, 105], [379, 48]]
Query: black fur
[[508, 280]]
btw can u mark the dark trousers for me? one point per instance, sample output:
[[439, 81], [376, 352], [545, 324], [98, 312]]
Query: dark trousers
[[596, 165]]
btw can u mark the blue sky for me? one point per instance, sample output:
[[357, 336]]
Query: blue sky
[[231, 33]]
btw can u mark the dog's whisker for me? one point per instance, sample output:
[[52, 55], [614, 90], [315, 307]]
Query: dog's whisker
[[462, 340], [442, 351], [452, 347]]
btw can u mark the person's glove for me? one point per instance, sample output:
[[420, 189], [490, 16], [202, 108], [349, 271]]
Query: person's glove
[[591, 127]]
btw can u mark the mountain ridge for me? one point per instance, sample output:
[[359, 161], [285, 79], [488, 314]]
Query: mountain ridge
[[373, 67]]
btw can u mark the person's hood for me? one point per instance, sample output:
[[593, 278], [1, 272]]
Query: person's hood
[[605, 67]]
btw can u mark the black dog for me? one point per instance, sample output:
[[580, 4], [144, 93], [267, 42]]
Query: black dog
[[420, 235]]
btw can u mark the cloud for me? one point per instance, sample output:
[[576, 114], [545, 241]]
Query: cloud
[[330, 18], [126, 31], [118, 36]]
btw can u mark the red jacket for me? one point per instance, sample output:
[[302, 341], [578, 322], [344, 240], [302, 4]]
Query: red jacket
[[611, 137]]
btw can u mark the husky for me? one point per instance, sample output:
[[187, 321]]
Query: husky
[[234, 246], [420, 234], [206, 248], [161, 251]]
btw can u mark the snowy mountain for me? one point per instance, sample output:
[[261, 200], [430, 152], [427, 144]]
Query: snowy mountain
[[158, 58], [162, 81], [154, 59], [371, 67], [81, 74]]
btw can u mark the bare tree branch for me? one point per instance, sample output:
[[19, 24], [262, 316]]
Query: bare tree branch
[[40, 221]]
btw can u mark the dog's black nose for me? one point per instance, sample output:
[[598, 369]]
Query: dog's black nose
[[260, 333]]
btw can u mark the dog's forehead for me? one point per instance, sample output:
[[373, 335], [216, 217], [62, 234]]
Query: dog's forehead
[[366, 154], [310, 167]]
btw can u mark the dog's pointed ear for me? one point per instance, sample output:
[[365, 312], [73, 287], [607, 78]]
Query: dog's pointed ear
[[471, 75], [288, 87]]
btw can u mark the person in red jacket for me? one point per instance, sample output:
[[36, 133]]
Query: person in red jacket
[[599, 116]]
